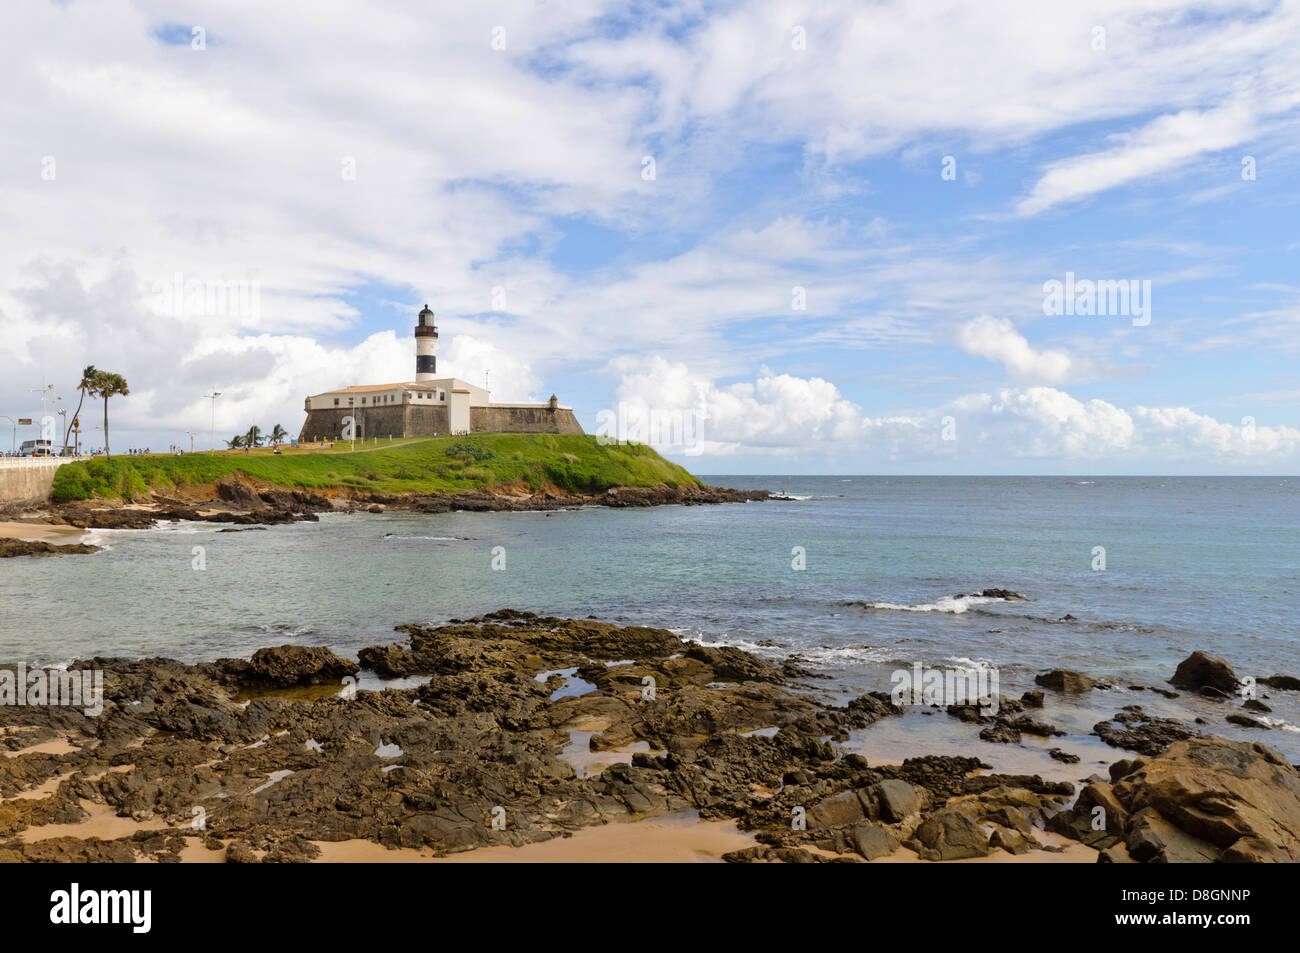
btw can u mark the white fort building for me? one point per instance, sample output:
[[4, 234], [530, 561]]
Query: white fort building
[[426, 406]]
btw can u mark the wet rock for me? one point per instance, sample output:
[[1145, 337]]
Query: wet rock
[[783, 855], [287, 665], [1115, 854], [1152, 839], [1012, 841], [1201, 669], [35, 547], [1254, 704], [238, 852], [873, 840], [1242, 798], [1134, 729], [1124, 767], [898, 800], [1010, 816], [231, 490], [949, 834], [839, 810], [1033, 699], [1058, 754], [1098, 818], [1286, 682], [1000, 732], [1246, 721], [1064, 680], [1006, 594]]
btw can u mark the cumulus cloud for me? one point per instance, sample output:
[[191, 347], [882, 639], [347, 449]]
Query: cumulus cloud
[[775, 414], [998, 340], [782, 414], [391, 147]]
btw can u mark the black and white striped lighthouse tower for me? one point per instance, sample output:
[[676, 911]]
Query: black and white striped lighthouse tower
[[426, 347]]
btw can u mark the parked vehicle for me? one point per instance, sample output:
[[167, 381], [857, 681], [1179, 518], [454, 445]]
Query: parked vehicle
[[36, 448]]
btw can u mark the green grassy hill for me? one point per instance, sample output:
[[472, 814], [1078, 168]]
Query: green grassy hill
[[423, 465]]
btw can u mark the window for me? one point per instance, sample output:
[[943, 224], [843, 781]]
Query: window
[[336, 401]]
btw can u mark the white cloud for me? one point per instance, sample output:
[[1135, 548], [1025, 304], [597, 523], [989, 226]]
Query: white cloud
[[776, 414], [998, 340], [781, 414], [1163, 144], [226, 164]]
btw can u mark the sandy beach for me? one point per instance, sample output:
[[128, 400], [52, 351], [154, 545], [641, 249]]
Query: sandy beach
[[33, 531]]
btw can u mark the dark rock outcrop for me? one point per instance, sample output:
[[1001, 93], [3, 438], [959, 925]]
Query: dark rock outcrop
[[1204, 799], [1133, 729], [1064, 680], [34, 547], [1201, 670]]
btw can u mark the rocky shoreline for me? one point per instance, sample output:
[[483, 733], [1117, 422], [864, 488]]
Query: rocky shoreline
[[246, 503], [513, 729]]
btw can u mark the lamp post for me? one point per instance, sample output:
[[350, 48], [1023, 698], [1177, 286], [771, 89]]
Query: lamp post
[[212, 434], [14, 441], [47, 395]]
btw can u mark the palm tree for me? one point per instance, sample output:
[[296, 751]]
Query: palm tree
[[86, 384], [235, 442], [278, 435], [106, 384], [253, 438]]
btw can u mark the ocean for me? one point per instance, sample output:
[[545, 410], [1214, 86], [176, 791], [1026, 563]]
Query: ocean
[[887, 565]]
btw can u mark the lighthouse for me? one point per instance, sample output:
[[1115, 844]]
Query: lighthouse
[[426, 347]]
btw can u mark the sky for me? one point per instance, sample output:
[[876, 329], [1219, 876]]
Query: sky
[[818, 237]]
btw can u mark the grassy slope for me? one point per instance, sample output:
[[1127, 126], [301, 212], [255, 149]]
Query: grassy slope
[[431, 465]]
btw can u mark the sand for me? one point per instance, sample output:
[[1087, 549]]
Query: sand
[[40, 532], [676, 838]]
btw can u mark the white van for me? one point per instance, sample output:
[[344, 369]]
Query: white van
[[37, 448]]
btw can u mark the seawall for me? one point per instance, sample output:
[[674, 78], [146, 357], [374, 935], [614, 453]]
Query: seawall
[[28, 479]]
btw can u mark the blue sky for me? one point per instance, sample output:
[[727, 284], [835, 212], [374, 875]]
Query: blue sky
[[357, 163]]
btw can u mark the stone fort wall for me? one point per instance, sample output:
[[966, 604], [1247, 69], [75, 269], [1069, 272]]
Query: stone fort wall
[[522, 420], [410, 421]]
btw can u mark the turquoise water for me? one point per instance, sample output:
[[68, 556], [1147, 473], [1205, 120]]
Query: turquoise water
[[1208, 563]]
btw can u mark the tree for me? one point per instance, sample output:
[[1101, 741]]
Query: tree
[[235, 442], [253, 438], [87, 382], [107, 384], [279, 435]]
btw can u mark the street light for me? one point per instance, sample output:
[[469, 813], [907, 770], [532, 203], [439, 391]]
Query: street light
[[190, 433], [47, 394], [14, 443], [213, 432]]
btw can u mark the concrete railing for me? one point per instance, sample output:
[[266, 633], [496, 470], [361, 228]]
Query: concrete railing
[[18, 462], [29, 479]]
